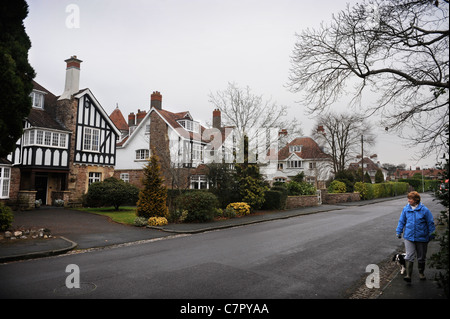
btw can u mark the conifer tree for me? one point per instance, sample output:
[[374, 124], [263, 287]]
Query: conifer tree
[[16, 74], [250, 182], [152, 199]]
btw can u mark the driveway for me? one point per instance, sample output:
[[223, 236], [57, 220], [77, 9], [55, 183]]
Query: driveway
[[88, 230]]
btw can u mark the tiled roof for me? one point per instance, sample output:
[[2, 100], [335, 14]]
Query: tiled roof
[[118, 119], [370, 165], [172, 119], [45, 117], [310, 149]]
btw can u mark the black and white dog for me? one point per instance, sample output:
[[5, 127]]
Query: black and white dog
[[400, 260]]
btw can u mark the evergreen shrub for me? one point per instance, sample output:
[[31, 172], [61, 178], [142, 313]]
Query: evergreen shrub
[[200, 205]]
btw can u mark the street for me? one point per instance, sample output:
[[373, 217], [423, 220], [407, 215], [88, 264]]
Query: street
[[307, 257]]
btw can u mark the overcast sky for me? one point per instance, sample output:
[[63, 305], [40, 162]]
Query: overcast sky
[[185, 49]]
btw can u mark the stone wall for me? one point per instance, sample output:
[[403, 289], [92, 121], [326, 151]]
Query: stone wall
[[302, 201], [135, 176], [339, 197], [79, 180], [26, 200]]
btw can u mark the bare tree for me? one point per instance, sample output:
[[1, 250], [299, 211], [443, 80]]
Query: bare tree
[[251, 115], [341, 135], [398, 49]]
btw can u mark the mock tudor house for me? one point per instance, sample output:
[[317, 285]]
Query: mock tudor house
[[68, 142]]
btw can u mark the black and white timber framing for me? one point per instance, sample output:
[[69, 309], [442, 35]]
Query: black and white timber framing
[[95, 135]]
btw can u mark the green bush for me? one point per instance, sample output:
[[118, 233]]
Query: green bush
[[275, 199], [111, 192], [337, 187], [6, 217], [361, 188], [303, 188], [372, 191], [200, 205]]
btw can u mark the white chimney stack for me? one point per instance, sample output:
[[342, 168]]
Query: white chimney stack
[[72, 78]]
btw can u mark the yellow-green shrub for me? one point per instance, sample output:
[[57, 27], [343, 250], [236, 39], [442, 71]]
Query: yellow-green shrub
[[157, 221], [240, 208]]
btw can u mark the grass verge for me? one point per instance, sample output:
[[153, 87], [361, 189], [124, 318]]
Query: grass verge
[[125, 214]]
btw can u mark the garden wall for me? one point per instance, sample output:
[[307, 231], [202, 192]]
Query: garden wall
[[339, 198], [302, 201]]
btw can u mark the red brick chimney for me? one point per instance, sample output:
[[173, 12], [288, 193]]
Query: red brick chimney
[[140, 116], [217, 119], [131, 119], [156, 100]]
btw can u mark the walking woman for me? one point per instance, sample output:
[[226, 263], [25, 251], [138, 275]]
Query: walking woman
[[417, 223]]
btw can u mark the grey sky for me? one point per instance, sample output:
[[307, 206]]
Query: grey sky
[[183, 48]]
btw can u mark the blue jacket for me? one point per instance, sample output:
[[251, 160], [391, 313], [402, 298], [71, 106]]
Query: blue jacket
[[418, 223]]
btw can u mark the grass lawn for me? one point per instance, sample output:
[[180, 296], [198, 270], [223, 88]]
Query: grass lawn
[[125, 214]]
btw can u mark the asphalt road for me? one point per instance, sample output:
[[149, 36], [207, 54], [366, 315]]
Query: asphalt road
[[307, 257]]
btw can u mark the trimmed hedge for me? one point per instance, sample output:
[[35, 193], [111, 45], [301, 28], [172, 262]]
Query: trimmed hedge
[[337, 187], [274, 200], [372, 191], [428, 185]]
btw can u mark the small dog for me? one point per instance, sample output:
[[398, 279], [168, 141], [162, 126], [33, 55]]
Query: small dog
[[400, 260]]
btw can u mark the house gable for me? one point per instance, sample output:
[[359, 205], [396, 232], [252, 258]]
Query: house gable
[[95, 133]]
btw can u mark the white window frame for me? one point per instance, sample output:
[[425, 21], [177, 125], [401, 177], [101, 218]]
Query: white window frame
[[295, 148], [190, 126], [295, 164], [45, 138], [91, 139], [197, 152], [39, 137], [142, 154], [125, 177], [94, 177], [5, 181], [37, 99], [199, 182]]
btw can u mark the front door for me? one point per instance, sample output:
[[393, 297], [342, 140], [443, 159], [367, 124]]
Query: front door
[[40, 185]]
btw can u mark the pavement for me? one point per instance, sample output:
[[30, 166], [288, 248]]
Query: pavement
[[77, 230]]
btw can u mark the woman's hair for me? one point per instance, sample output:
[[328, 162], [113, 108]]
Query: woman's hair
[[414, 196]]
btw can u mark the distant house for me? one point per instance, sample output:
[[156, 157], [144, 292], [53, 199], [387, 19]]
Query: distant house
[[176, 138], [68, 143], [428, 173], [371, 165], [302, 154]]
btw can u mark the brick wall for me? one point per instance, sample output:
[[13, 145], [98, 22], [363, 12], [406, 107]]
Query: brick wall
[[339, 197], [135, 176], [301, 201], [79, 180]]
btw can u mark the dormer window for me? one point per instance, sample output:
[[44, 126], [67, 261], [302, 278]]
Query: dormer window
[[295, 148], [37, 99], [190, 125]]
